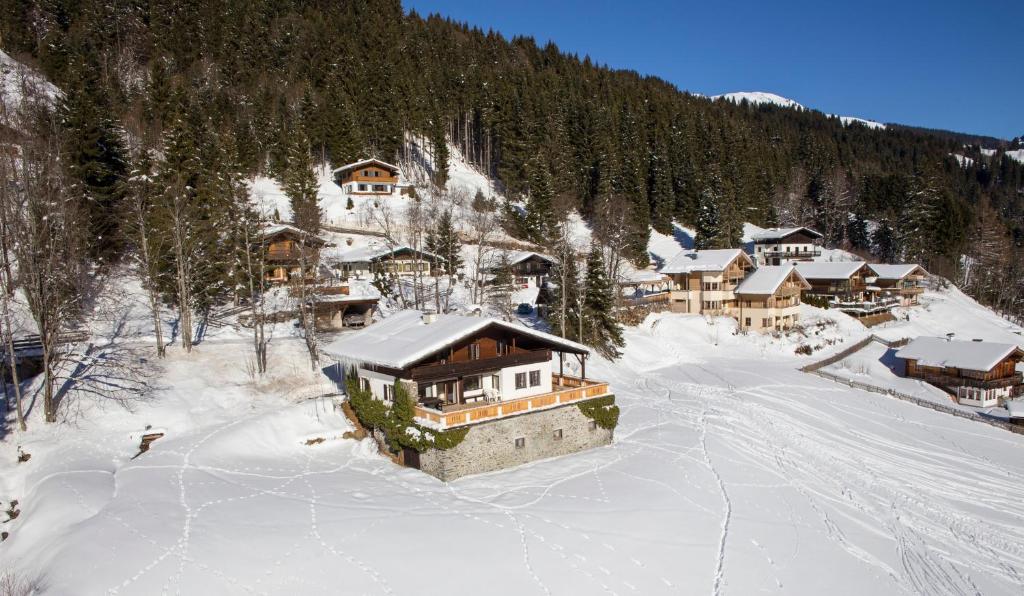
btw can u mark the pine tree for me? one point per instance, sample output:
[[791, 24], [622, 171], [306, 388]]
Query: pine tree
[[600, 328], [439, 145], [300, 184], [540, 215], [709, 230]]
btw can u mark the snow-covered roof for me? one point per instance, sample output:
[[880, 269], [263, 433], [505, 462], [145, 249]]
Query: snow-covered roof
[[363, 162], [274, 229], [514, 256], [703, 260], [895, 271], [372, 252], [764, 281], [405, 338], [828, 269], [969, 355], [780, 233]]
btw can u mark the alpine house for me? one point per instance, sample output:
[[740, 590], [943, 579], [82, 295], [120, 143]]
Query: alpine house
[[495, 379]]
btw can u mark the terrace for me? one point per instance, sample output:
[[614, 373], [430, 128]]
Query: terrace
[[564, 389]]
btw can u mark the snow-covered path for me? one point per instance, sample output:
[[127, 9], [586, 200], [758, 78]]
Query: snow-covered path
[[731, 473]]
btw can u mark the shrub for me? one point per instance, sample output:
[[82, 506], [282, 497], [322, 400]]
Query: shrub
[[602, 410], [398, 422]]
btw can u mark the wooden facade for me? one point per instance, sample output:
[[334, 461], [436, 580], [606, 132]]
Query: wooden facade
[[974, 387], [286, 250], [367, 177], [709, 292], [775, 311], [802, 244]]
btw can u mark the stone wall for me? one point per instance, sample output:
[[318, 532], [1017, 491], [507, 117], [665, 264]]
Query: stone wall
[[491, 445]]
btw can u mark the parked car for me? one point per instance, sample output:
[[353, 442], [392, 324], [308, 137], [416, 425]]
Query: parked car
[[524, 309]]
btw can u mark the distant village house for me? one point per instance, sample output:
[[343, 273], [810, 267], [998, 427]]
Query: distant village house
[[977, 373], [904, 281], [704, 281], [285, 249], [367, 177], [776, 246], [769, 298]]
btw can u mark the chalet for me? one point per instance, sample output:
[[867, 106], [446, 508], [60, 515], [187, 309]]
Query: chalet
[[775, 246], [364, 262], [703, 281], [769, 298], [348, 304], [904, 281], [286, 250], [530, 269], [367, 177], [978, 373], [493, 377], [844, 285]]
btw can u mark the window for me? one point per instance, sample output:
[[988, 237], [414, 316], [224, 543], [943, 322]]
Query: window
[[501, 347], [389, 393], [362, 188], [471, 383], [520, 380], [747, 321], [364, 384], [534, 378], [593, 425], [495, 382], [474, 351], [557, 435], [766, 322], [520, 442]]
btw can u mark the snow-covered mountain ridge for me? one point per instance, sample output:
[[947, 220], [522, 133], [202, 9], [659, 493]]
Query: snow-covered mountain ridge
[[764, 97]]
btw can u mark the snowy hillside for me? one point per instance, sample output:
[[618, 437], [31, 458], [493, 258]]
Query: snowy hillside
[[763, 97], [15, 77], [731, 472]]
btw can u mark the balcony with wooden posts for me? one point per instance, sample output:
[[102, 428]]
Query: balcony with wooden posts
[[290, 254], [565, 390], [775, 253], [865, 306]]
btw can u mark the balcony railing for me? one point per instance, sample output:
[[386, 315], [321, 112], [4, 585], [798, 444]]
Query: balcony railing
[[792, 254], [953, 382], [451, 370], [571, 389], [289, 254], [865, 306]]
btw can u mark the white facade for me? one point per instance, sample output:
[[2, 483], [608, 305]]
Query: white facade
[[984, 398], [353, 188], [500, 385]]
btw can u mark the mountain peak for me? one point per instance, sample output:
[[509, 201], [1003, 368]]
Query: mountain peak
[[759, 97]]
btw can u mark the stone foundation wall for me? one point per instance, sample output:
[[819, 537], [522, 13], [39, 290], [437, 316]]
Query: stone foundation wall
[[491, 445]]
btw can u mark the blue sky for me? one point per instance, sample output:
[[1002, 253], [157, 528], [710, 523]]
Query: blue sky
[[953, 65]]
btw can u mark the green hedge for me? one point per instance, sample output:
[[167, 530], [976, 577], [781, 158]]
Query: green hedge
[[397, 422], [602, 410]]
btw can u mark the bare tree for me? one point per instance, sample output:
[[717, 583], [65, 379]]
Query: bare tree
[[254, 272], [481, 225], [45, 225], [305, 291], [149, 243]]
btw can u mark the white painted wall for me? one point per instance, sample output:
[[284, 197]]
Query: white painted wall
[[508, 380], [377, 381]]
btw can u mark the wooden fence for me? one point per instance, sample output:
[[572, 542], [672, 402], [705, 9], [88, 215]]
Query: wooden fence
[[814, 369]]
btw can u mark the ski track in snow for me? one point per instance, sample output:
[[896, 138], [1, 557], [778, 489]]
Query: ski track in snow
[[769, 473]]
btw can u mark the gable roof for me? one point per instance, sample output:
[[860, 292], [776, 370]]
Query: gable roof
[[704, 260], [970, 355], [366, 162], [765, 281], [286, 229], [769, 234], [895, 271], [829, 270], [403, 339], [373, 252], [493, 260]]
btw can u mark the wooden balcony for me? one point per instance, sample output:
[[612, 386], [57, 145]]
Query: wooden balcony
[[451, 370], [566, 390], [290, 255], [911, 290], [793, 254], [951, 382]]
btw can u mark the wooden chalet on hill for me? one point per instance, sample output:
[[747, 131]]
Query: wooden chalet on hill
[[769, 298], [367, 177], [978, 373], [903, 281], [363, 262], [844, 284], [776, 246], [497, 378], [286, 250], [529, 269], [704, 281]]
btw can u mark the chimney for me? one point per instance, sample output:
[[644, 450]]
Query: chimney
[[949, 336], [428, 317]]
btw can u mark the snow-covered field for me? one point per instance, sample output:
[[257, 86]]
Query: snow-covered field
[[731, 472]]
